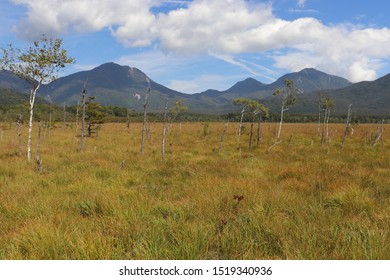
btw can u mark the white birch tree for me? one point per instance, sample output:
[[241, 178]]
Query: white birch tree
[[37, 65]]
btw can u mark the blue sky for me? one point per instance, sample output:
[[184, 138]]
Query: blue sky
[[191, 46]]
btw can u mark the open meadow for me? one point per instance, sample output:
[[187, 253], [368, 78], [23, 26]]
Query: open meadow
[[296, 200]]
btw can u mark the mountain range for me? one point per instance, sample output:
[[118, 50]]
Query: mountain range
[[124, 86]]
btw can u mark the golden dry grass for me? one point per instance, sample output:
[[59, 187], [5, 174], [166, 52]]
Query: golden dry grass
[[297, 200]]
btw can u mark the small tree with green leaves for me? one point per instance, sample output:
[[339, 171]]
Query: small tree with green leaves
[[259, 111], [256, 108], [94, 116], [177, 109], [288, 94], [37, 65]]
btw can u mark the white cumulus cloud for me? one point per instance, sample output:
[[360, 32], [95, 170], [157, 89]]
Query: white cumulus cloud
[[224, 28]]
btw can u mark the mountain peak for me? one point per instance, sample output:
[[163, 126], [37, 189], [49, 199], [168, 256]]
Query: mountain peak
[[108, 66], [247, 85], [310, 79], [310, 70], [118, 74]]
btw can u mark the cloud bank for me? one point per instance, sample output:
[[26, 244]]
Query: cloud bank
[[223, 28]]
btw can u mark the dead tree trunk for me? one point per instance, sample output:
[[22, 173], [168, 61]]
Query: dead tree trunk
[[127, 118], [323, 132], [50, 123], [223, 137], [259, 134], [145, 122], [347, 125], [18, 124], [319, 118], [164, 130], [327, 124], [241, 125], [251, 133], [379, 134], [83, 104], [77, 117], [38, 152], [64, 118]]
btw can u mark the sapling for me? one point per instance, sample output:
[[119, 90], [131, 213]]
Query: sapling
[[177, 109]]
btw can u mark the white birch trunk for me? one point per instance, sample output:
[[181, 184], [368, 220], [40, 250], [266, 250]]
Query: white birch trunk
[[240, 128], [280, 124], [30, 123]]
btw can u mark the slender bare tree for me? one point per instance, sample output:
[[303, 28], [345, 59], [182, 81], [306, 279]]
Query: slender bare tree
[[379, 134], [223, 137], [77, 116], [244, 105], [347, 125], [64, 117], [164, 130], [83, 116], [145, 122], [327, 105]]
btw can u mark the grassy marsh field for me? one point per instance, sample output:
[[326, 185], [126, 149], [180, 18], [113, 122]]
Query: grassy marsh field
[[297, 200]]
